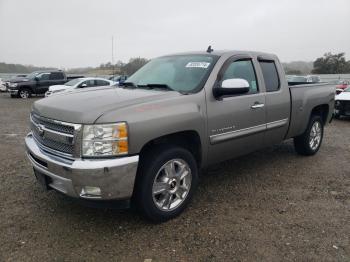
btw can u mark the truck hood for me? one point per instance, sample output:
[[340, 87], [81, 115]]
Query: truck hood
[[343, 96], [86, 106], [19, 80], [58, 87]]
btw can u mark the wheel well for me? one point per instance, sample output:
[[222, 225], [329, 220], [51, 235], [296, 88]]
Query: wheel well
[[322, 111], [186, 139]]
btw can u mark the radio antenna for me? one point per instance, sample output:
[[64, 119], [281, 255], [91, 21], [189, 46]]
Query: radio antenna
[[209, 50]]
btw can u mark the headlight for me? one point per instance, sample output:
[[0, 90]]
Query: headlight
[[13, 85], [105, 140]]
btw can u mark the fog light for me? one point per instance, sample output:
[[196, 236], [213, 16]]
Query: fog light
[[90, 192]]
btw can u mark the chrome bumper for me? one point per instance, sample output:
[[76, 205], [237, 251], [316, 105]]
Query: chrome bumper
[[13, 91], [114, 177]]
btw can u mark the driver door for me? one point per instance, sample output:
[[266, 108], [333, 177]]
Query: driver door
[[236, 124], [43, 83]]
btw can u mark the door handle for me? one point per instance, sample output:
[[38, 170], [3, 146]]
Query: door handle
[[257, 105]]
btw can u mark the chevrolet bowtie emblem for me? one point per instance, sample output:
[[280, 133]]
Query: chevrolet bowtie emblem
[[41, 130]]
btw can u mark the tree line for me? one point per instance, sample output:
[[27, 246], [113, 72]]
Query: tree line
[[17, 68], [331, 64]]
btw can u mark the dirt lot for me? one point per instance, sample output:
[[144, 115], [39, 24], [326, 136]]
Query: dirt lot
[[272, 205]]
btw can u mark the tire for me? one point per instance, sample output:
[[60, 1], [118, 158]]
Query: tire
[[152, 177], [310, 141], [24, 93]]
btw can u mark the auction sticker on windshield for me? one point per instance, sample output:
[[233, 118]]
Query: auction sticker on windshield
[[198, 64]]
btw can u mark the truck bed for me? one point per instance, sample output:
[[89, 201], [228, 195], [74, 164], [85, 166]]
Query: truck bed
[[304, 98]]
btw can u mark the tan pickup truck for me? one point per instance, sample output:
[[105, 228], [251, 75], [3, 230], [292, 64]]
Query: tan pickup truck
[[146, 141]]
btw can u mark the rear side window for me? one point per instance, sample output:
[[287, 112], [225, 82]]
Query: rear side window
[[102, 83], [271, 79], [56, 76]]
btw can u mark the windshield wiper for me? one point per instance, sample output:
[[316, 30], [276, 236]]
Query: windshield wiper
[[127, 84], [159, 86]]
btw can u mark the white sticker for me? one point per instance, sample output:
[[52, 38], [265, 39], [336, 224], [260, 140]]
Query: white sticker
[[198, 64]]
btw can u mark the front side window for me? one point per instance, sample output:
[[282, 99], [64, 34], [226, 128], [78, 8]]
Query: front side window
[[102, 83], [43, 77], [271, 79], [88, 83], [243, 69], [183, 73]]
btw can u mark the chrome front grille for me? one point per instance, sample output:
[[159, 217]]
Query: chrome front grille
[[56, 137], [52, 125]]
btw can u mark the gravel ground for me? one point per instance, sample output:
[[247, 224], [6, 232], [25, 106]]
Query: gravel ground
[[271, 205]]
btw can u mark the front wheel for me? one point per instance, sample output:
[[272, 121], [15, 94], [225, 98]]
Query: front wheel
[[310, 141], [25, 93], [166, 182]]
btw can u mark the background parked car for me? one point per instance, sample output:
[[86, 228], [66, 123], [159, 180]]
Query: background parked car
[[79, 83], [297, 79], [119, 79], [35, 83], [313, 79], [304, 79], [343, 84], [3, 87], [342, 104]]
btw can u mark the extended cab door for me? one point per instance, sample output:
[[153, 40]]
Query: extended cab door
[[236, 124], [277, 103], [42, 83], [57, 78]]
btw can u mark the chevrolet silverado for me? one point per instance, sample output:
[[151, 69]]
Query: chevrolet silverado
[[146, 142]]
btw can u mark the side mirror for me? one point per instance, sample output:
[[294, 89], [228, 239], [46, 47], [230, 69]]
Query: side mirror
[[233, 86], [36, 78], [83, 85]]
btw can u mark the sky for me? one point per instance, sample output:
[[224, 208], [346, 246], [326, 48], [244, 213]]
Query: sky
[[78, 33]]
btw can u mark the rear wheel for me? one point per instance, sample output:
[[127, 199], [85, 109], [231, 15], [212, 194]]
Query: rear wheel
[[310, 141], [25, 93], [166, 181]]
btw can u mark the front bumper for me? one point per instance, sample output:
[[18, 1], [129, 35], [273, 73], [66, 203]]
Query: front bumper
[[114, 177], [342, 107], [13, 91]]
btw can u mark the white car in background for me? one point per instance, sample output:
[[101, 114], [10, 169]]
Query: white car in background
[[342, 104], [79, 83], [3, 87]]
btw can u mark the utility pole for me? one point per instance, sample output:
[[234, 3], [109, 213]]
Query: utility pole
[[113, 55]]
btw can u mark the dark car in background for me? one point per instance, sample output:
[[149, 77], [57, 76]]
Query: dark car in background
[[36, 83]]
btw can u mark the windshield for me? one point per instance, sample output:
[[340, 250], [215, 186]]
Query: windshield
[[32, 75], [73, 82], [182, 73], [347, 89]]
